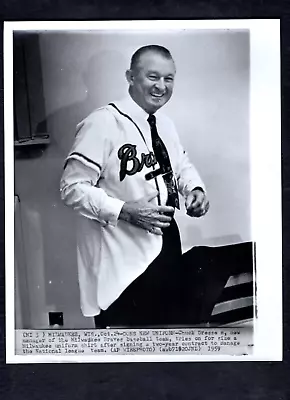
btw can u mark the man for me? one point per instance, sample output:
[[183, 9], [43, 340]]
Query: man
[[122, 176]]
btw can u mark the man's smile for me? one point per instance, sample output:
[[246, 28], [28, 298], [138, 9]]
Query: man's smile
[[157, 95]]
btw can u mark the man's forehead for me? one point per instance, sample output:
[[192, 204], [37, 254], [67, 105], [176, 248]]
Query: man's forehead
[[153, 59]]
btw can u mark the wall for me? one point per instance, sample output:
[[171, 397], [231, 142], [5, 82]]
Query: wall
[[82, 71]]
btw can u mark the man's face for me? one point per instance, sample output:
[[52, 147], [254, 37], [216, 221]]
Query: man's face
[[151, 82]]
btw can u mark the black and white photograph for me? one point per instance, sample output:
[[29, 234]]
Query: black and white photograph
[[135, 189]]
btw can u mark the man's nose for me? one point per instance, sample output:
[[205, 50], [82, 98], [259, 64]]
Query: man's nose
[[160, 84]]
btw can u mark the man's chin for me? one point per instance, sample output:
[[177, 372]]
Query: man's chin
[[154, 105]]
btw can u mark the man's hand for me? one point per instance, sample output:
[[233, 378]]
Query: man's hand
[[146, 215], [196, 203]]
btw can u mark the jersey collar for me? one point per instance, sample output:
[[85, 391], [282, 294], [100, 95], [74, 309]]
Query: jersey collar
[[130, 107]]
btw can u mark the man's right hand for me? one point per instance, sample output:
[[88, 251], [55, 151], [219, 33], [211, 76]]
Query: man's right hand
[[145, 215]]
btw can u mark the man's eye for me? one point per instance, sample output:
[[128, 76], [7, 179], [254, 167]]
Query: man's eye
[[169, 79], [153, 77]]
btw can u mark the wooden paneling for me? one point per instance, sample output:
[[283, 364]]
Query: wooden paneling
[[29, 107], [21, 107]]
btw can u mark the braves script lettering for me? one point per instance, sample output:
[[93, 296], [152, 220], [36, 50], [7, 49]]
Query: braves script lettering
[[128, 152]]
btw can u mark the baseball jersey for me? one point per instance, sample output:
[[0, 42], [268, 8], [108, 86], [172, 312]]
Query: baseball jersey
[[112, 162]]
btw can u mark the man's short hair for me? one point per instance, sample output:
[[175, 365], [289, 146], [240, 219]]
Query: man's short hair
[[152, 47]]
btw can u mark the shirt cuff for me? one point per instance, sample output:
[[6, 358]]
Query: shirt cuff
[[113, 209], [199, 188], [189, 188]]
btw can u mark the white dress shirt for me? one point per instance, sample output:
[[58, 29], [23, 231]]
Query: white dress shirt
[[112, 253]]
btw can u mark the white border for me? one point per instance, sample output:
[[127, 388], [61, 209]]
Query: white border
[[265, 127]]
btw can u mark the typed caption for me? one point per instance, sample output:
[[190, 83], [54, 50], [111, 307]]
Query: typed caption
[[229, 341]]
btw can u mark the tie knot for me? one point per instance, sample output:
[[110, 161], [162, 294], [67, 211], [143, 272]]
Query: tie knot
[[151, 120]]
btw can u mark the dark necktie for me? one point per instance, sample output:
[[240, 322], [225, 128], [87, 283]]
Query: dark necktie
[[163, 160]]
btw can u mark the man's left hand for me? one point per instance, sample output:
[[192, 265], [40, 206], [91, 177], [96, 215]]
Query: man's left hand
[[197, 203]]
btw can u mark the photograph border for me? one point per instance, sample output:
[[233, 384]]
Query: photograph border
[[265, 172]]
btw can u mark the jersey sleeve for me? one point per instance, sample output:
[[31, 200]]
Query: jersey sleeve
[[83, 169], [187, 175], [94, 140]]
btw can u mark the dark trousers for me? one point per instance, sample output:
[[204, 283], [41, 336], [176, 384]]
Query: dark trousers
[[177, 289], [154, 298]]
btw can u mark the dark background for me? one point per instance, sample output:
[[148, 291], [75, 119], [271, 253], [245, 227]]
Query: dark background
[[239, 380]]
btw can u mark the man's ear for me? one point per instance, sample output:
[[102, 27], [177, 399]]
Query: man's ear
[[130, 76]]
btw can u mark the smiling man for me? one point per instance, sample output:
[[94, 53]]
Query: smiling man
[[123, 176], [151, 78]]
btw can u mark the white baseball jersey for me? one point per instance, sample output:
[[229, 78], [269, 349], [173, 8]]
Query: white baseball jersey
[[108, 165]]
